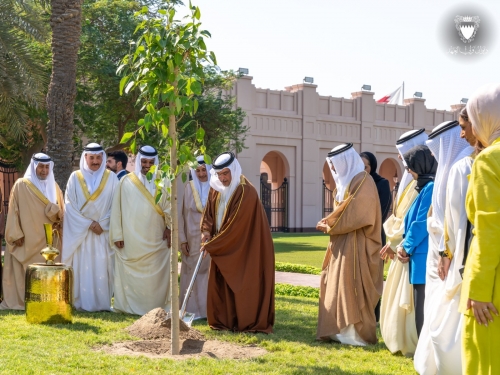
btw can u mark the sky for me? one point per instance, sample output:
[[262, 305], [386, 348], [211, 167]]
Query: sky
[[345, 44]]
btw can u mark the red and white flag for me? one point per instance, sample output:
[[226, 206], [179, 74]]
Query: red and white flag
[[394, 97]]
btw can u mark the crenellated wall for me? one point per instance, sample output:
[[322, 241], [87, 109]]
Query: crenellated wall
[[300, 126]]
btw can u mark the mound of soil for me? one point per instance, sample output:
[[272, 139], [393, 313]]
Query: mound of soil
[[156, 324], [154, 329], [189, 349]]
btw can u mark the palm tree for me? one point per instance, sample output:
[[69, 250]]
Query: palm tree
[[22, 78], [66, 25]]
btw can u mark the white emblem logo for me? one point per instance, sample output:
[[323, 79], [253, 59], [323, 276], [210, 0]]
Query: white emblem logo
[[467, 27]]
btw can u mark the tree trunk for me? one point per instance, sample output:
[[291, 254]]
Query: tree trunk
[[65, 22], [174, 282]]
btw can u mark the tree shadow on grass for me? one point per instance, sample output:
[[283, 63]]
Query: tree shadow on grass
[[296, 325], [297, 247], [335, 370]]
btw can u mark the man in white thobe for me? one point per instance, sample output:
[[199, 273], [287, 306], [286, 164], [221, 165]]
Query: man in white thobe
[[397, 318], [34, 200], [193, 204], [447, 147], [89, 195], [140, 235]]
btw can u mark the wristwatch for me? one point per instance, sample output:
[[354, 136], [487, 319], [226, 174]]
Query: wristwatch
[[446, 254]]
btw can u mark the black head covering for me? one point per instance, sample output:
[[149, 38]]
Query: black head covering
[[372, 160], [420, 160]]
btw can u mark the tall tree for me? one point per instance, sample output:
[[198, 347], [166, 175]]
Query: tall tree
[[167, 68], [66, 24], [22, 77]]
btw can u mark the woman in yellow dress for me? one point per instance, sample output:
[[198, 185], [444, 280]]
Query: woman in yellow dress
[[480, 297]]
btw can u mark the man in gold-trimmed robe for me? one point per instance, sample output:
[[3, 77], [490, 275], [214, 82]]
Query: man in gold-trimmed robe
[[241, 280], [352, 276], [397, 318], [34, 200], [140, 234], [89, 195], [193, 204]]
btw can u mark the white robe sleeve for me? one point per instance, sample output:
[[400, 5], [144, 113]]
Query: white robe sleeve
[[76, 226], [115, 224]]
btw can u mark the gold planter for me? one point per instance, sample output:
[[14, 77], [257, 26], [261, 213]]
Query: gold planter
[[49, 293], [49, 288]]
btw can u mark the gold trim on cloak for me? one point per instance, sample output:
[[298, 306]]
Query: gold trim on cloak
[[146, 193], [36, 191], [85, 189], [196, 196]]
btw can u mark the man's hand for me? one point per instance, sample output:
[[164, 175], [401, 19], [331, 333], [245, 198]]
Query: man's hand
[[205, 237], [402, 255], [167, 235], [387, 253], [19, 242], [443, 267], [120, 244], [482, 311], [96, 228], [322, 226], [185, 249]]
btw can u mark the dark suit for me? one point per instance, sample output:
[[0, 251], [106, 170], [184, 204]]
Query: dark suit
[[122, 173]]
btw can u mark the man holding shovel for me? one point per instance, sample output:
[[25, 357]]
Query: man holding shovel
[[237, 235]]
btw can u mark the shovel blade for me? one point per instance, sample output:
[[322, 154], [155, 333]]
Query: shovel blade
[[188, 318]]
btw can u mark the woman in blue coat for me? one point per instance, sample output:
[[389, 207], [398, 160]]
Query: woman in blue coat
[[422, 166]]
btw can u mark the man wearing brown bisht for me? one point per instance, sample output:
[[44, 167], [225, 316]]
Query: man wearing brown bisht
[[34, 200], [352, 276], [236, 234]]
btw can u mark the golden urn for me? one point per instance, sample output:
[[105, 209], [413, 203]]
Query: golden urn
[[49, 288]]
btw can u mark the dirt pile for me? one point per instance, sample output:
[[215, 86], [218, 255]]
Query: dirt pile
[[156, 324], [154, 329]]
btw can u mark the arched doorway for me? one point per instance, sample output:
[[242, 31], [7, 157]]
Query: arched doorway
[[274, 190], [390, 170]]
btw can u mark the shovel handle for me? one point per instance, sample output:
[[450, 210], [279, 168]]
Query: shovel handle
[[191, 284]]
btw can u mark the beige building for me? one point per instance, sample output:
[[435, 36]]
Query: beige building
[[291, 132]]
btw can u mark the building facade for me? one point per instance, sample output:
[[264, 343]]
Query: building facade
[[291, 131]]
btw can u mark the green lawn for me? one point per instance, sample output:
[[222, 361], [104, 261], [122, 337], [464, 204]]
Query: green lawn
[[300, 248], [303, 248], [39, 349]]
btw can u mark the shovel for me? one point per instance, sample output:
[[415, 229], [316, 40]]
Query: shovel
[[188, 317]]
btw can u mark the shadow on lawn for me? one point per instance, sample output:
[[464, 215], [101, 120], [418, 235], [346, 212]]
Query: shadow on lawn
[[297, 246], [297, 326], [319, 369]]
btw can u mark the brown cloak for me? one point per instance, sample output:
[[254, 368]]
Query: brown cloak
[[352, 276], [27, 214], [241, 280]]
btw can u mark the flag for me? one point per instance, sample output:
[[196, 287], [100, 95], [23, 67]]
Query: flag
[[393, 97]]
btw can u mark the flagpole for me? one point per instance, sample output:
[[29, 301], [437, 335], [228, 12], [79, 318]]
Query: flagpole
[[403, 93]]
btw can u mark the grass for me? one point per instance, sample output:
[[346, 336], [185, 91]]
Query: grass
[[297, 268], [306, 249], [42, 349]]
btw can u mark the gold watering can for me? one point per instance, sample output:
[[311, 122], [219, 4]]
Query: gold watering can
[[49, 287]]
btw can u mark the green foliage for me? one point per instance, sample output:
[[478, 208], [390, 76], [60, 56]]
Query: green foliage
[[167, 68], [217, 114], [23, 77], [297, 268], [296, 291], [101, 113], [300, 248]]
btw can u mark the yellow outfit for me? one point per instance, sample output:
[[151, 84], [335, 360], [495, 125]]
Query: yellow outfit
[[481, 280]]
